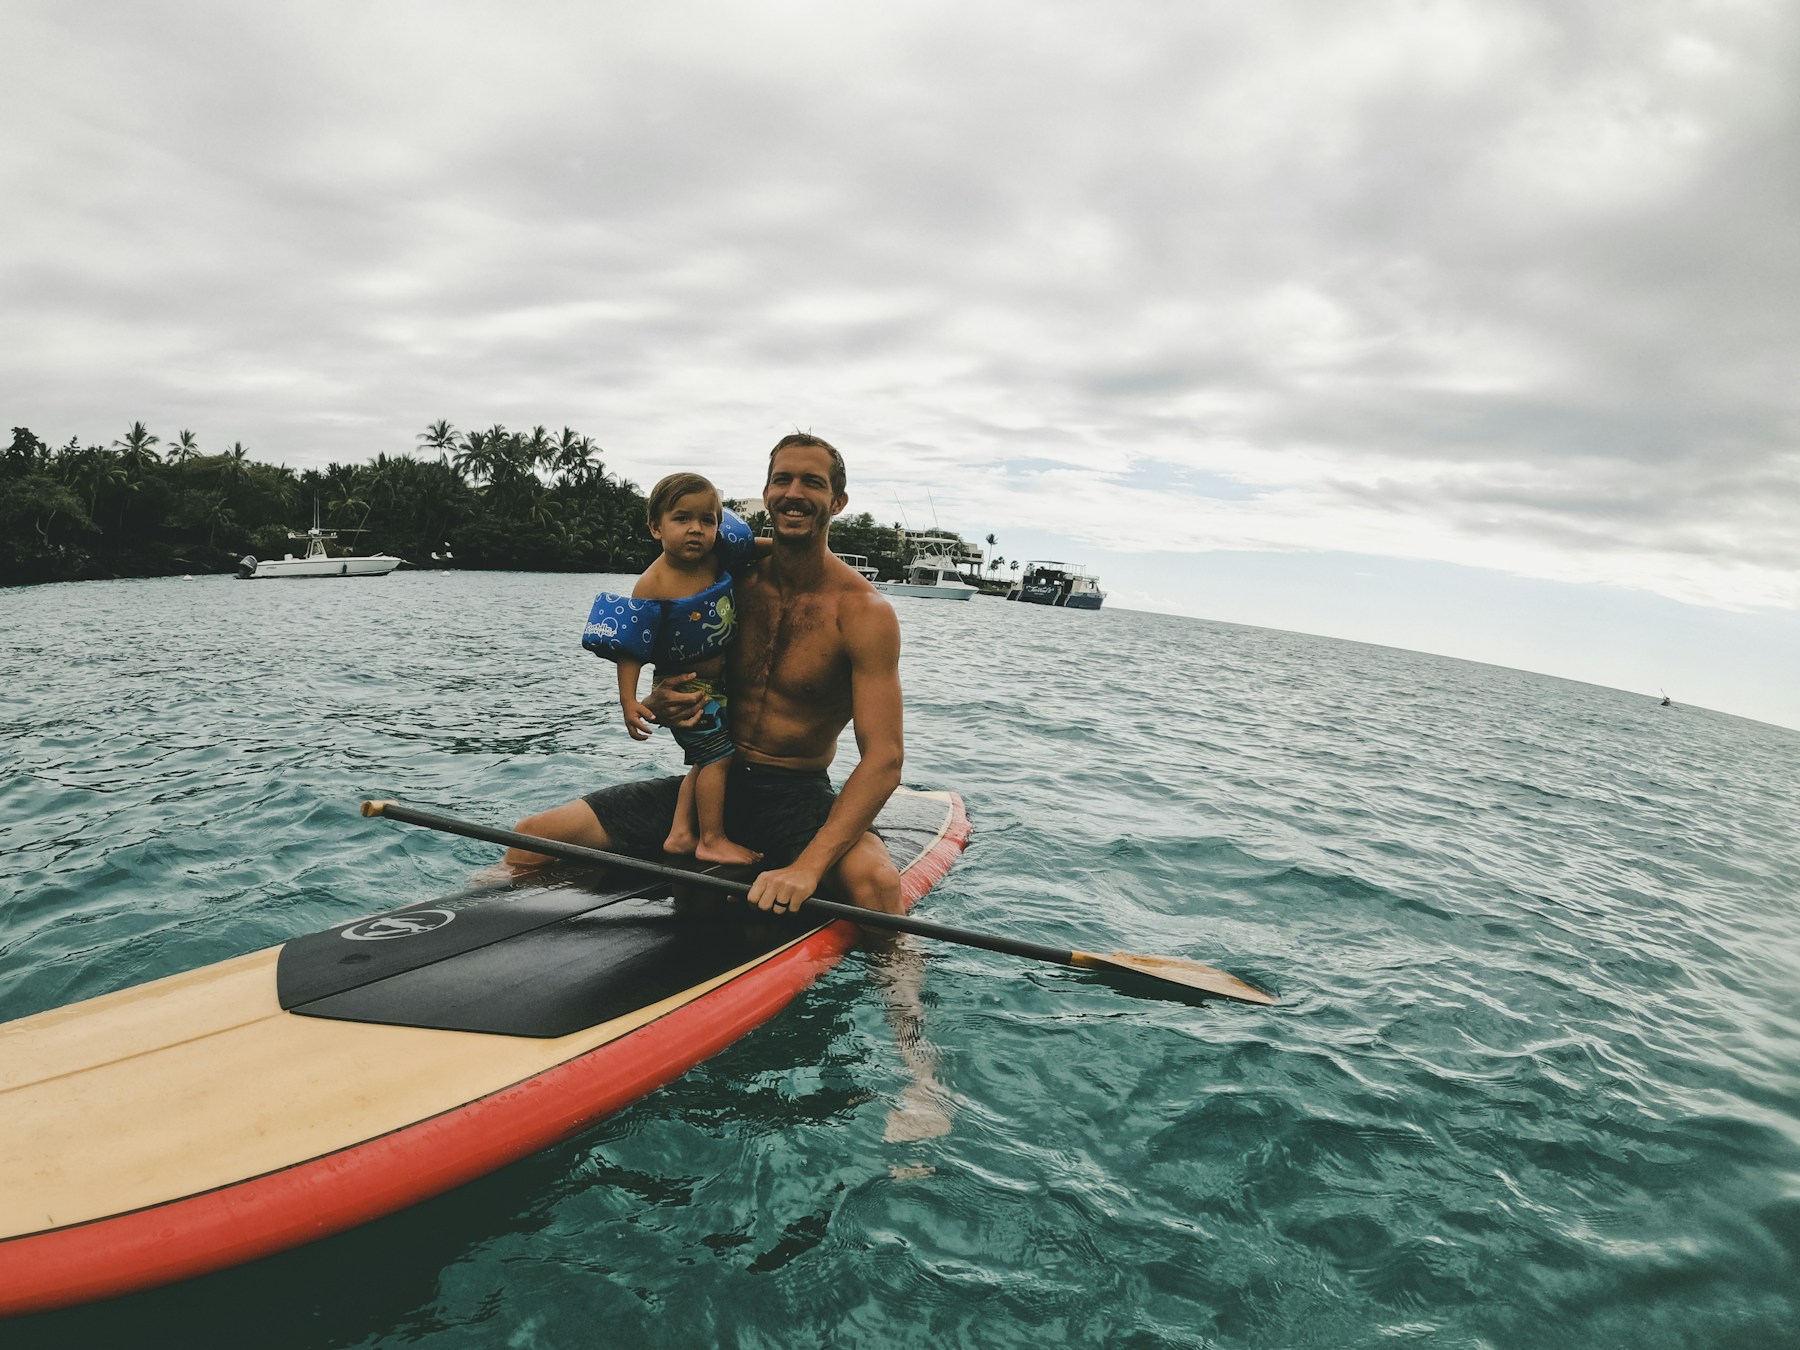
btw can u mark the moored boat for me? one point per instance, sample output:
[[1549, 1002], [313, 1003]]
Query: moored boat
[[858, 564], [318, 561], [932, 575], [1054, 583]]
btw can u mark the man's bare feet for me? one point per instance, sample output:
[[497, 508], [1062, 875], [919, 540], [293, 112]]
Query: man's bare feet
[[722, 850], [681, 842]]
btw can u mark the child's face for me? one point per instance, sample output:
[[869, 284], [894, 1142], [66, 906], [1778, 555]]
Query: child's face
[[689, 528]]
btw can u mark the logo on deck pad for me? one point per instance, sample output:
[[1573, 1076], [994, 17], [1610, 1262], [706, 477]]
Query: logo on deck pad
[[410, 924]]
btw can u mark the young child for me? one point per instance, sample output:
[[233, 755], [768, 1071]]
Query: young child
[[680, 617]]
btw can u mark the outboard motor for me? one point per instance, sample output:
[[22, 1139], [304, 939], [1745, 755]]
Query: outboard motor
[[246, 567]]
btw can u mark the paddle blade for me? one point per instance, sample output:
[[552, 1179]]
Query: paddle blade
[[1173, 970]]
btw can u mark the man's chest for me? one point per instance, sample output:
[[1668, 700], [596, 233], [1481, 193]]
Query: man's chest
[[790, 648]]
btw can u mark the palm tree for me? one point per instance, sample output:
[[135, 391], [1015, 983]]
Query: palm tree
[[572, 459], [540, 511], [540, 448], [216, 513], [346, 502], [991, 541], [184, 449], [514, 455], [135, 455], [512, 460], [134, 448], [383, 478], [92, 469], [439, 436], [479, 454], [434, 494]]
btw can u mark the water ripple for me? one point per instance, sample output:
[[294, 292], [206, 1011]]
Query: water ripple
[[1533, 1082]]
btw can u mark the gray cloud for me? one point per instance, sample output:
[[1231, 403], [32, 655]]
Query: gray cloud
[[1521, 274]]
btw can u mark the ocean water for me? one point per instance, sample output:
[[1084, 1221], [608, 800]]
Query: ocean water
[[1534, 1080]]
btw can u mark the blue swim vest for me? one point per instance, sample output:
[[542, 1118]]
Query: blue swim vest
[[673, 632]]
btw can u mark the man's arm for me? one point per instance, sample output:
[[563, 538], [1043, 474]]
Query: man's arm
[[872, 641], [670, 705]]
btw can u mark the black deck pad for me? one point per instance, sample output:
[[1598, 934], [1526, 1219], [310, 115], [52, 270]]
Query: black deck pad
[[551, 954], [558, 978], [430, 931]]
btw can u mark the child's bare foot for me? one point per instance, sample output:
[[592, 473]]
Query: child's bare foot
[[722, 850], [680, 842]]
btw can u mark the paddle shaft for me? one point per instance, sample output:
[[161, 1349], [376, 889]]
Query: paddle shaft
[[826, 909]]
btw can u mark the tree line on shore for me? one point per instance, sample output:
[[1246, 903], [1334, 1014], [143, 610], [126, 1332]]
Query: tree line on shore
[[494, 498]]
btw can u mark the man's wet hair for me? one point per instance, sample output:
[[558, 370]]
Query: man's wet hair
[[672, 489], [840, 476]]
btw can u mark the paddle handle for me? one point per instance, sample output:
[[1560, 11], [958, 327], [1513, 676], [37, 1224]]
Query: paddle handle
[[825, 909]]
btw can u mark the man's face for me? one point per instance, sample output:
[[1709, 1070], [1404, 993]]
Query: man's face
[[798, 495]]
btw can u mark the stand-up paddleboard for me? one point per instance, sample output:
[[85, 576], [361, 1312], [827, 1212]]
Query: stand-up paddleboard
[[213, 1117]]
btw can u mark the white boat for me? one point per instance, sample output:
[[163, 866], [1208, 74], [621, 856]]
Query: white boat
[[857, 564], [932, 576], [1055, 583], [318, 562]]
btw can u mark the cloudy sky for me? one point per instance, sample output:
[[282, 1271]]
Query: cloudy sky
[[1468, 327]]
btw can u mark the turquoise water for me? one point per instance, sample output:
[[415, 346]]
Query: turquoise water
[[1535, 1080]]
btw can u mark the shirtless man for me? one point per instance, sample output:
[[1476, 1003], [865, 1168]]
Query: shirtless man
[[817, 648]]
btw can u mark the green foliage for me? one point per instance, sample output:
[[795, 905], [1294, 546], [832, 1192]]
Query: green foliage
[[44, 529], [493, 498], [880, 544]]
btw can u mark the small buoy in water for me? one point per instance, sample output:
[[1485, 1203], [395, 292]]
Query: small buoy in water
[[188, 577]]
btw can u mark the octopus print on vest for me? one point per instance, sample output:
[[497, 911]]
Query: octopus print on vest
[[697, 626]]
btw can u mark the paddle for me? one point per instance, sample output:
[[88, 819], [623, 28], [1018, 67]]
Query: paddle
[[1172, 970]]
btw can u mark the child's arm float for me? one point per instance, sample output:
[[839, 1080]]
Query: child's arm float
[[623, 629]]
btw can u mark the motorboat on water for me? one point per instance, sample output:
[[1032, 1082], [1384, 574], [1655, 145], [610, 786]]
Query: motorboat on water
[[858, 564], [931, 575], [1055, 583], [318, 561]]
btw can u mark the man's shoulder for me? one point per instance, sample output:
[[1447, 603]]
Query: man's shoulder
[[864, 615], [856, 588], [836, 584]]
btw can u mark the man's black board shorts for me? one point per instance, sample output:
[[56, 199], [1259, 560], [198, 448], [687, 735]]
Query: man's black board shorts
[[774, 811]]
